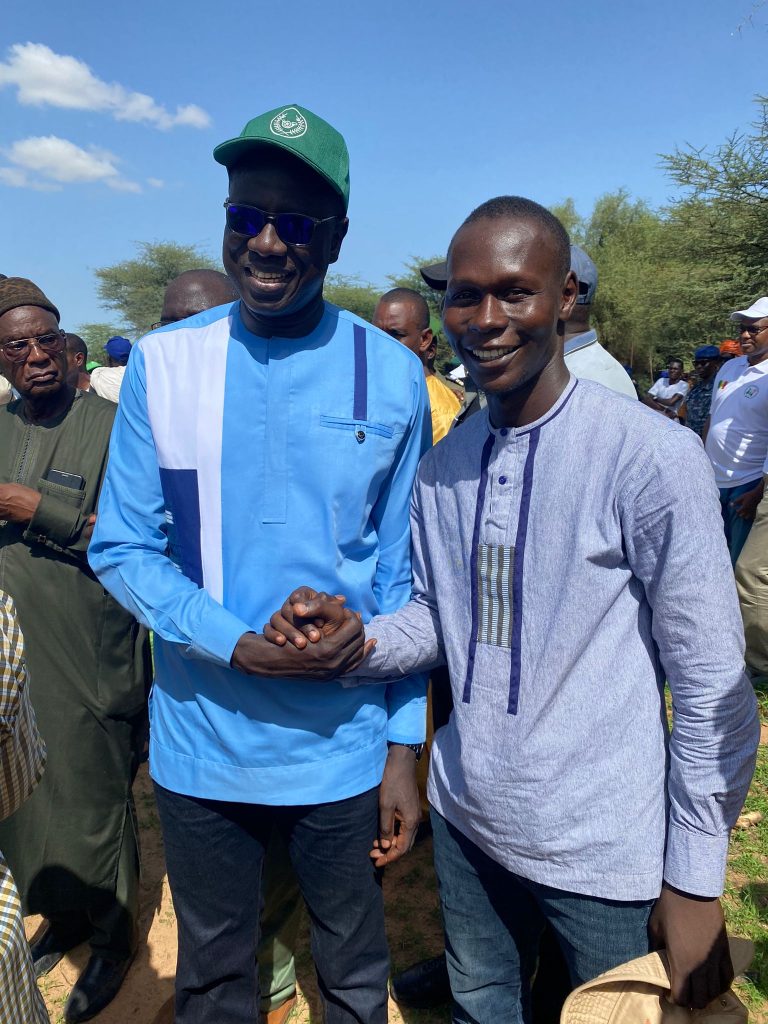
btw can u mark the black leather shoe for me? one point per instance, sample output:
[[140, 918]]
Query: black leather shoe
[[95, 988], [423, 986], [51, 947]]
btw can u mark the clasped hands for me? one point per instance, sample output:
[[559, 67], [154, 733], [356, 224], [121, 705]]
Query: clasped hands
[[314, 636]]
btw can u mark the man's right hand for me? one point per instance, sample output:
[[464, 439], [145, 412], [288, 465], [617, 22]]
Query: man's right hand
[[340, 651], [307, 616]]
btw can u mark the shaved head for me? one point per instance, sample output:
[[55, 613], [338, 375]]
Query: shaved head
[[404, 314], [411, 298], [195, 291]]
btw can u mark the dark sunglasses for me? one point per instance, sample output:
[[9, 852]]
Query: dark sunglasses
[[752, 329], [291, 228], [18, 351]]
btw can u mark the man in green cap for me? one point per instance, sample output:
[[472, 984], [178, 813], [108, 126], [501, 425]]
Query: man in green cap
[[295, 461], [72, 847]]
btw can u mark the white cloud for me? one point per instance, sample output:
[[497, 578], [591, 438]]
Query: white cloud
[[16, 178], [48, 162], [44, 78], [156, 182]]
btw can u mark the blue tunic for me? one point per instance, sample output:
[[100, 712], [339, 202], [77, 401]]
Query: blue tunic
[[240, 468]]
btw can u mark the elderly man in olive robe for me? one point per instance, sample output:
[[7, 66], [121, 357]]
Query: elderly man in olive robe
[[72, 848]]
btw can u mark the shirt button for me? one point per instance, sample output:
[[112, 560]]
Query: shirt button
[[502, 479], [504, 431]]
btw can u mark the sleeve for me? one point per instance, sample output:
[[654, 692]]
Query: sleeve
[[411, 639], [61, 515], [654, 389], [128, 551], [58, 521], [675, 545], [22, 751], [407, 697], [683, 387]]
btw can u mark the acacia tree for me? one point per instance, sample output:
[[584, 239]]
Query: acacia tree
[[352, 293], [721, 220], [134, 288]]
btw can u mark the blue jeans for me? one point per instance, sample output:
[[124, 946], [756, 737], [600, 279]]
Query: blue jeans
[[494, 920], [215, 852], [736, 528]]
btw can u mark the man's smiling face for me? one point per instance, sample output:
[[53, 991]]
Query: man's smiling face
[[505, 296], [272, 277]]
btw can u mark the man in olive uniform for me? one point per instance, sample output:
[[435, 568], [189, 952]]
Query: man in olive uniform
[[72, 847]]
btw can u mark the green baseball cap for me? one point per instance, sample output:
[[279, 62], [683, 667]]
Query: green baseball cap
[[299, 131]]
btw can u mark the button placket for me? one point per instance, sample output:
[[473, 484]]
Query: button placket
[[504, 470]]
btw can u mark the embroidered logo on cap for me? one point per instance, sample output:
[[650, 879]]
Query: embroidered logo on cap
[[289, 123]]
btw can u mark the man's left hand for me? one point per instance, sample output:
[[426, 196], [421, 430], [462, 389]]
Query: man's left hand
[[746, 504], [399, 807], [18, 503], [692, 930]]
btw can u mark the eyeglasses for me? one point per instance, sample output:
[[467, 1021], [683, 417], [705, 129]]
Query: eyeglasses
[[752, 329], [18, 351], [163, 323], [291, 228]]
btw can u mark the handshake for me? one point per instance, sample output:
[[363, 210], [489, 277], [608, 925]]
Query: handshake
[[313, 636]]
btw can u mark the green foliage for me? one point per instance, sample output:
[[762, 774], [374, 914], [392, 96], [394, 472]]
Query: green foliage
[[571, 220], [134, 288], [96, 336], [721, 221], [746, 891], [410, 277], [352, 293]]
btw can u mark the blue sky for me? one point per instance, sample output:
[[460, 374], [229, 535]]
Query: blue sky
[[443, 105]]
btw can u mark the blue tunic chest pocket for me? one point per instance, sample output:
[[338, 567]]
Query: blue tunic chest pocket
[[358, 430]]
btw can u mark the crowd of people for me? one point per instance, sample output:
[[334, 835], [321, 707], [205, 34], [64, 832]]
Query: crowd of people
[[349, 569]]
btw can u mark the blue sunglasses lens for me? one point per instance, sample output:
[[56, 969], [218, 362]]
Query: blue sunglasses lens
[[294, 228], [291, 228]]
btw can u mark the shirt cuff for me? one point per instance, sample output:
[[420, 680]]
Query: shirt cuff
[[407, 710], [695, 863], [55, 519], [216, 638]]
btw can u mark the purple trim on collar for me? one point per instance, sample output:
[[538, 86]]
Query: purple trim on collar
[[360, 403], [517, 571], [481, 489], [556, 411]]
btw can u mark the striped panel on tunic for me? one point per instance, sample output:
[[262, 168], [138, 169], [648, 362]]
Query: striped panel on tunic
[[22, 759], [494, 594]]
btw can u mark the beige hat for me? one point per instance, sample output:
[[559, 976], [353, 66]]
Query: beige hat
[[635, 993]]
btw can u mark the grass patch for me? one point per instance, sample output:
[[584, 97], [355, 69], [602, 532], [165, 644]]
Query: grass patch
[[746, 892]]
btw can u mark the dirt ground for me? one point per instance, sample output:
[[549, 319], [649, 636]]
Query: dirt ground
[[413, 923]]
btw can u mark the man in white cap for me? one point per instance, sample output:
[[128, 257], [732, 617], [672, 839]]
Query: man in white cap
[[736, 438]]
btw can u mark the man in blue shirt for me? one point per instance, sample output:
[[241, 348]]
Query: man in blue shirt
[[255, 445]]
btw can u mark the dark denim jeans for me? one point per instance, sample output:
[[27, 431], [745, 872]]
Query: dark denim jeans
[[493, 923], [214, 852], [736, 528]]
